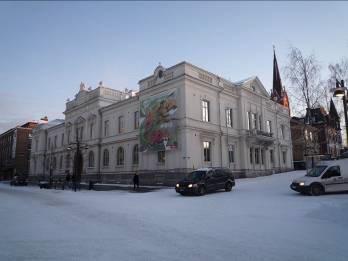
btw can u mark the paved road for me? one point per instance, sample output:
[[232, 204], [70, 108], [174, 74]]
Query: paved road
[[261, 219]]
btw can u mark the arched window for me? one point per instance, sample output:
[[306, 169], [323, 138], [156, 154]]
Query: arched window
[[106, 158], [91, 159], [61, 162], [120, 156], [136, 154]]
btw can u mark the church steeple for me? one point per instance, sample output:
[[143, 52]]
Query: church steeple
[[277, 82], [278, 94]]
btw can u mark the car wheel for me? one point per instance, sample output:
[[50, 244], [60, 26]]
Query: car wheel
[[317, 190], [201, 190], [228, 186]]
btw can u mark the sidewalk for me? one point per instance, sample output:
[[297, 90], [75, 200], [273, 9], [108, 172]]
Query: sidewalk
[[125, 187]]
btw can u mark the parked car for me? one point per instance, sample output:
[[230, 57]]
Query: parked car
[[205, 180], [344, 155], [44, 184], [19, 181], [326, 176]]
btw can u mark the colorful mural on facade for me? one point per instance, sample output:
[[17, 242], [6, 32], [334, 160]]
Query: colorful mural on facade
[[158, 130]]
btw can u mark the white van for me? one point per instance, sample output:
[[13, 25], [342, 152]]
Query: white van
[[326, 176]]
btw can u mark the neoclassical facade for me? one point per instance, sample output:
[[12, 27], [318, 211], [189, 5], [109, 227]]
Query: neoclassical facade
[[182, 118]]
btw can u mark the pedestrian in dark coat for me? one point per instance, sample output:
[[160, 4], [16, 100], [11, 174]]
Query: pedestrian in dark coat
[[136, 180]]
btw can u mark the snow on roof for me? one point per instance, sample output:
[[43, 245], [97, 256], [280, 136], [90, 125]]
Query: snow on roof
[[241, 82], [46, 125]]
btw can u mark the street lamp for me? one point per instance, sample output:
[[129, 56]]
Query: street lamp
[[78, 160], [340, 91]]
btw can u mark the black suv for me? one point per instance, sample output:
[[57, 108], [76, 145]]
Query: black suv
[[206, 180]]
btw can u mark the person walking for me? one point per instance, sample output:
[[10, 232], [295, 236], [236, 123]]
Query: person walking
[[136, 180]]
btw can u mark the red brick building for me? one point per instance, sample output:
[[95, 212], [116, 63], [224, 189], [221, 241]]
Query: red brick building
[[15, 146], [328, 124], [305, 142]]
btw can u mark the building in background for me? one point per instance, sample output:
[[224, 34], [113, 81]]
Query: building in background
[[15, 146], [329, 131], [305, 143], [182, 118]]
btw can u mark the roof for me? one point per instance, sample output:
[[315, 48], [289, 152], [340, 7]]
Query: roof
[[50, 124], [241, 82]]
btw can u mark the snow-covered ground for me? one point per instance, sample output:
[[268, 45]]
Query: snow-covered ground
[[261, 219]]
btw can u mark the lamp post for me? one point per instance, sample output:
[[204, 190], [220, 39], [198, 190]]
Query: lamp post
[[340, 91], [78, 161]]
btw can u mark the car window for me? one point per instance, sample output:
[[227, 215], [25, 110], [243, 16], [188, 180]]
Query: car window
[[210, 173], [218, 173], [333, 171]]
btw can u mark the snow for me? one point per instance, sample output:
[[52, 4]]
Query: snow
[[261, 219]]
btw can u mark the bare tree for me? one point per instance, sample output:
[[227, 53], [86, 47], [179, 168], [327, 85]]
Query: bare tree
[[307, 89], [338, 71]]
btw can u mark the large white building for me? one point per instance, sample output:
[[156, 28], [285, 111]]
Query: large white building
[[182, 118]]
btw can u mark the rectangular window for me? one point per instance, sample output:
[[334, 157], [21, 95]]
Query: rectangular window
[[262, 156], [269, 126], [260, 123], [36, 145], [49, 144], [248, 120], [284, 157], [229, 118], [62, 143], [231, 154], [251, 155], [81, 133], [253, 121], [257, 156], [271, 156], [69, 137], [55, 141], [136, 120], [206, 151], [205, 110], [91, 130], [282, 131], [161, 156], [106, 128], [120, 124]]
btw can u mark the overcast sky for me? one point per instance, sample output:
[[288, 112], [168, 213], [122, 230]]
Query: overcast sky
[[47, 48]]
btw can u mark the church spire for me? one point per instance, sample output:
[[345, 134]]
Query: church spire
[[277, 82]]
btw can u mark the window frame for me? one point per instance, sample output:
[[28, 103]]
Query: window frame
[[205, 105], [207, 151], [135, 154], [120, 156], [229, 117], [121, 124], [136, 120], [91, 159], [106, 158]]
